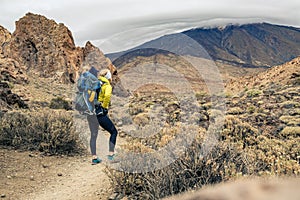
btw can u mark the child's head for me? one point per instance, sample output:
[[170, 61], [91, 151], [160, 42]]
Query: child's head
[[106, 73]]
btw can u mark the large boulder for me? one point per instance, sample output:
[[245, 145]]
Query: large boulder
[[45, 47], [8, 99]]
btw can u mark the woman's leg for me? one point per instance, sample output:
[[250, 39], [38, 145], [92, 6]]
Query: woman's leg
[[94, 126], [107, 124]]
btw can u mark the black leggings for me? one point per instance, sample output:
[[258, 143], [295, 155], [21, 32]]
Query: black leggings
[[105, 123]]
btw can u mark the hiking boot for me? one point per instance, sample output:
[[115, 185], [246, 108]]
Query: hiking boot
[[96, 161], [112, 158]]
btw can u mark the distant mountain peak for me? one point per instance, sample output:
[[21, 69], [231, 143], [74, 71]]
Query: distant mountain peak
[[248, 45]]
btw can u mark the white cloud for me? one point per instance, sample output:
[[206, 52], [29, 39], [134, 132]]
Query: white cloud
[[118, 24]]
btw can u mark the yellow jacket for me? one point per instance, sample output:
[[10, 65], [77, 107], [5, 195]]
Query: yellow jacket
[[105, 93]]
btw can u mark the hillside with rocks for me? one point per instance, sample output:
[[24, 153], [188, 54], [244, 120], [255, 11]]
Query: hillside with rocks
[[259, 136], [248, 129], [286, 74], [48, 48], [40, 48]]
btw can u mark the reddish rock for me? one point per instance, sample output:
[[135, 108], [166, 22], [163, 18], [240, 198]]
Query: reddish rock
[[47, 48], [94, 57], [44, 46], [8, 99], [12, 71], [5, 37]]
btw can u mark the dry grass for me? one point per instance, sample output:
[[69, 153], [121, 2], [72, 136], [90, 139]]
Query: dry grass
[[46, 130], [250, 144]]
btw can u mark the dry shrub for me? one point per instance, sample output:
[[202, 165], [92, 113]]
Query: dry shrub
[[290, 120], [276, 157], [49, 131], [262, 143], [253, 93], [291, 131], [60, 103], [290, 104], [235, 111], [241, 150], [265, 154], [192, 170]]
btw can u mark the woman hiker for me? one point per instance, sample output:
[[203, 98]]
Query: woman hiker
[[101, 118]]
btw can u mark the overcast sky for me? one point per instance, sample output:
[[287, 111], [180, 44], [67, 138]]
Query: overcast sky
[[115, 25]]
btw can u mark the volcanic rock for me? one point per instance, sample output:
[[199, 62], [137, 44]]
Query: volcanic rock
[[5, 37], [8, 99], [45, 47], [94, 57], [12, 71]]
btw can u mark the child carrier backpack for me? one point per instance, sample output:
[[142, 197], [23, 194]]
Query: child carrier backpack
[[86, 84]]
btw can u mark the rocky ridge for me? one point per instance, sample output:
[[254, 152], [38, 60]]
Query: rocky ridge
[[286, 74], [41, 48], [5, 37], [47, 48], [44, 46], [248, 45]]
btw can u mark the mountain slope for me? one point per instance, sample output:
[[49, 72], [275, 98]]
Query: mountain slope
[[259, 136], [250, 45], [284, 75]]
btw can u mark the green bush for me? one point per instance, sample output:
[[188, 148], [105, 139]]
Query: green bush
[[60, 103], [251, 109], [201, 95], [49, 131], [253, 93]]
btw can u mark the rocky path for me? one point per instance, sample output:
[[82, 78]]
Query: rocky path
[[81, 181], [32, 176]]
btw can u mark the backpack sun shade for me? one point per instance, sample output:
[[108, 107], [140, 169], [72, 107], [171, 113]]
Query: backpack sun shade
[[86, 83]]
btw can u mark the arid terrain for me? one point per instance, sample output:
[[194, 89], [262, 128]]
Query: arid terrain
[[244, 124], [30, 175]]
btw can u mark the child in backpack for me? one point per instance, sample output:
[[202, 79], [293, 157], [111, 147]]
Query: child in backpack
[[101, 118]]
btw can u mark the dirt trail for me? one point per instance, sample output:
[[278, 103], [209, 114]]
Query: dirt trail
[[31, 176], [83, 181]]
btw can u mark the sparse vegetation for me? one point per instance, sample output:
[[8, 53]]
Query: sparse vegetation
[[188, 172], [60, 103], [253, 93], [235, 111], [290, 104], [45, 130], [291, 131], [290, 120], [253, 142], [201, 95], [259, 137], [251, 109]]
